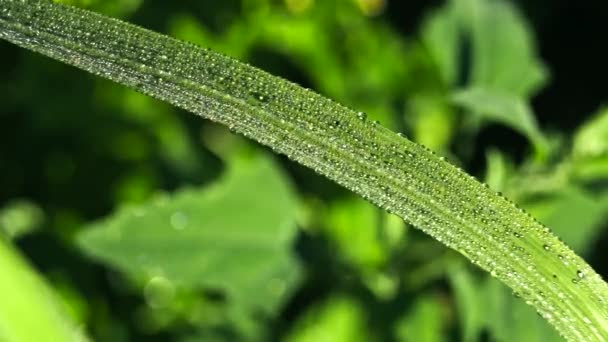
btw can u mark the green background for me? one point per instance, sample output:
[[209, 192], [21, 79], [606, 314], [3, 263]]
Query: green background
[[144, 222]]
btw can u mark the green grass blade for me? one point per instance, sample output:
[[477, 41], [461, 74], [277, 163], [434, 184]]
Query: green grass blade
[[388, 170], [29, 311]]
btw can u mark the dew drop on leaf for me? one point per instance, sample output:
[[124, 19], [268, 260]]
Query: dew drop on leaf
[[159, 292], [178, 220]]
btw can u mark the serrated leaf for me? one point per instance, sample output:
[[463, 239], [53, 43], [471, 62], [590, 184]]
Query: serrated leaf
[[234, 236]]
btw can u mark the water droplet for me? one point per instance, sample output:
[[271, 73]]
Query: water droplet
[[159, 292], [259, 96], [139, 212], [546, 247], [161, 199], [580, 274], [362, 116], [179, 220]]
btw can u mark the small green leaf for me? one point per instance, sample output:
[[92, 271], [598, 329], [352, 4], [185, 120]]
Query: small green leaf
[[591, 139], [19, 218]]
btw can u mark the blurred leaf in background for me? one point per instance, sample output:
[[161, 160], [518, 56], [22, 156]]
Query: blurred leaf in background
[[339, 319], [30, 311], [234, 237], [19, 218], [486, 57]]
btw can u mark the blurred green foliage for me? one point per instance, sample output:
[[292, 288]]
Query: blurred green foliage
[[151, 224]]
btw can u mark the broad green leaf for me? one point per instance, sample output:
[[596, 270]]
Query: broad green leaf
[[234, 236], [383, 167], [504, 57], [501, 107], [493, 40], [441, 33], [502, 52], [30, 311]]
